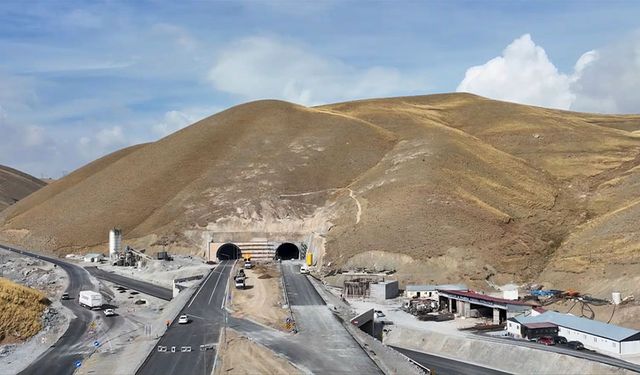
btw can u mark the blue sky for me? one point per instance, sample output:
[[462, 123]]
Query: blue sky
[[82, 79]]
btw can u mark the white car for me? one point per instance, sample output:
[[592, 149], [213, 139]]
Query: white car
[[378, 314], [109, 312], [304, 269], [183, 319]]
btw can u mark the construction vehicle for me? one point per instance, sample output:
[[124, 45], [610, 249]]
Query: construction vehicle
[[90, 299], [239, 280]]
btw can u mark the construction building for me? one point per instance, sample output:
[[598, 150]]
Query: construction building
[[475, 305], [430, 291], [383, 290], [602, 337]]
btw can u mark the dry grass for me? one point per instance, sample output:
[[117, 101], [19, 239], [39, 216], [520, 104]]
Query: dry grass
[[241, 356], [262, 300], [15, 185], [502, 190], [20, 311]]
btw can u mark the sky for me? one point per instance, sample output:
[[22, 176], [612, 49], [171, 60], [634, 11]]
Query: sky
[[80, 79]]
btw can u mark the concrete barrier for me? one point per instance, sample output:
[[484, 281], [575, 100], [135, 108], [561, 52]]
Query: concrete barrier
[[177, 288], [504, 357]]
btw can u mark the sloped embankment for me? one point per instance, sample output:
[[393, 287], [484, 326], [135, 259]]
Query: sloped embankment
[[20, 311]]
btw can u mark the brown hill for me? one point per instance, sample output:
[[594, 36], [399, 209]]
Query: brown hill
[[15, 185], [449, 187]]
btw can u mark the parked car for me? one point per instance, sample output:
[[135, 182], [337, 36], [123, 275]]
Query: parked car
[[378, 314], [65, 296], [183, 319], [576, 345], [304, 269], [546, 340], [109, 312], [560, 340]]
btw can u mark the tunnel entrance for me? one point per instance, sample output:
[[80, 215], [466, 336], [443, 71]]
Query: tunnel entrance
[[287, 251], [228, 251]]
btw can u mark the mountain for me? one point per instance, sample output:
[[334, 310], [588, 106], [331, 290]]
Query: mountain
[[15, 185], [442, 188]]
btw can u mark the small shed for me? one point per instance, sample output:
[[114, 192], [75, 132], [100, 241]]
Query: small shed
[[531, 330], [383, 290], [93, 257]]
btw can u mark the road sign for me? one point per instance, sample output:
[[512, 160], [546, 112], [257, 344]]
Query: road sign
[[77, 364]]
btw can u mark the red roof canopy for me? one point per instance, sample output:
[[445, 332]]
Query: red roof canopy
[[484, 297]]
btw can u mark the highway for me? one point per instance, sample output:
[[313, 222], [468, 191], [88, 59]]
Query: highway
[[141, 286], [207, 314], [331, 349], [440, 365], [299, 290], [73, 345]]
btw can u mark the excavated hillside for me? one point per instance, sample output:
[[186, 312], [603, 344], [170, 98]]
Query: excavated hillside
[[15, 185], [442, 188]]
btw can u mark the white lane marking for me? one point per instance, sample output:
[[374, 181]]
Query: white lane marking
[[226, 295], [215, 286], [201, 286], [196, 316]]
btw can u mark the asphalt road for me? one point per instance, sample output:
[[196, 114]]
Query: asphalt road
[[74, 345], [562, 349], [299, 290], [141, 286], [207, 314], [445, 366], [329, 348]]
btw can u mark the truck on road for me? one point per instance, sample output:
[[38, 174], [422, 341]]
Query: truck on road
[[90, 299]]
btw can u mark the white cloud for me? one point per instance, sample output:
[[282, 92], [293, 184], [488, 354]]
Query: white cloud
[[610, 81], [261, 67], [523, 74], [173, 121], [102, 142], [176, 120], [603, 80]]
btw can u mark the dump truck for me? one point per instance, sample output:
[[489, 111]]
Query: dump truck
[[90, 299]]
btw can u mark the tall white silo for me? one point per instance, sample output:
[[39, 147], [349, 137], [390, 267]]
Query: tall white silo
[[115, 242]]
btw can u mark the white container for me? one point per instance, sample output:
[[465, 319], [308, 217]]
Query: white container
[[90, 299], [616, 298]]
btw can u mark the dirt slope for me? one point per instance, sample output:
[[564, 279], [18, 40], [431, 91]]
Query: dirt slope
[[443, 188], [15, 185]]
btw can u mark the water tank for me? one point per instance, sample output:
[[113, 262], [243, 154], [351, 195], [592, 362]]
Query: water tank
[[115, 242], [616, 298]]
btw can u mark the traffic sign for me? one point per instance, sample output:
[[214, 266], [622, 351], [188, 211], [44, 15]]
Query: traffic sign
[[77, 364]]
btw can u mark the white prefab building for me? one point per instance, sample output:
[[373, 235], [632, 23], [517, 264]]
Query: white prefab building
[[430, 291], [601, 337], [93, 257]]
